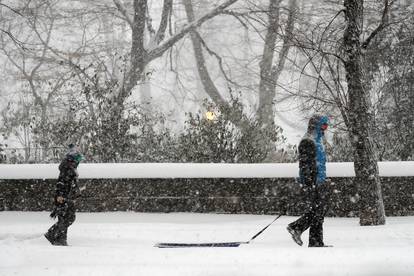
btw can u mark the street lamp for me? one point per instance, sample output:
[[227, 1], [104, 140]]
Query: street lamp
[[210, 115]]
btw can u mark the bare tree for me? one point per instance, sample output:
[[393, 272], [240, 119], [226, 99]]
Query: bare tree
[[6, 31], [141, 54], [197, 42], [269, 73], [361, 115], [43, 78], [331, 62]]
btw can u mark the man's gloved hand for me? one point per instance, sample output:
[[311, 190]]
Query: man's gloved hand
[[60, 199]]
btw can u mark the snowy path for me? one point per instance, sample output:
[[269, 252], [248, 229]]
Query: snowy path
[[122, 244]]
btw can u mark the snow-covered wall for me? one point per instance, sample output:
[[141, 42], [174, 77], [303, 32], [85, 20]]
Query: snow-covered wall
[[214, 188], [192, 170]]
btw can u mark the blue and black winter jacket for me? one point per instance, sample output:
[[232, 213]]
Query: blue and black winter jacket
[[312, 157]]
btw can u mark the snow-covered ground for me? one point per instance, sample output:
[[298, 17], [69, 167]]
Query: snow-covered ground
[[121, 243]]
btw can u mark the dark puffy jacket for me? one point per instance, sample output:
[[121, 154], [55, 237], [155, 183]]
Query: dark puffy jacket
[[66, 186], [312, 157]]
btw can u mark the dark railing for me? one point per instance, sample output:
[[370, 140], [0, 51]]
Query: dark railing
[[18, 155]]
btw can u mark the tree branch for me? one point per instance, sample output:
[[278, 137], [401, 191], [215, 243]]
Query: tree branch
[[329, 24], [301, 45], [157, 52], [12, 9], [380, 27], [205, 78], [336, 99], [45, 48], [148, 20], [165, 16], [237, 16], [276, 70], [219, 59], [123, 11], [15, 40]]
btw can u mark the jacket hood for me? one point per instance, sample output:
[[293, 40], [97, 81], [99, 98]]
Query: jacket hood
[[315, 123], [315, 133]]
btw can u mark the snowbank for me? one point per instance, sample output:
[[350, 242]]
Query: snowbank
[[192, 170]]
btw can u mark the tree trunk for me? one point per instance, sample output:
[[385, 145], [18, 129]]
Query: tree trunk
[[145, 96], [360, 116], [140, 56], [267, 85], [208, 84], [138, 61], [44, 134], [269, 74], [138, 52]]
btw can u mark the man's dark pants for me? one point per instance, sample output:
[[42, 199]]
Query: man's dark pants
[[314, 215]]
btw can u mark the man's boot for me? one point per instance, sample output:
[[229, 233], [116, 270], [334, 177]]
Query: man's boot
[[50, 237], [295, 235], [61, 242], [321, 245], [62, 238]]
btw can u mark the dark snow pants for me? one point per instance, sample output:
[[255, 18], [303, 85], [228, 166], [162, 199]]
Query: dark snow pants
[[66, 216], [315, 199]]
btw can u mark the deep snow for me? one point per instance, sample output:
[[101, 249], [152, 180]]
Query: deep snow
[[121, 243]]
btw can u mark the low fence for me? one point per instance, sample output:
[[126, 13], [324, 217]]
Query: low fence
[[31, 155], [218, 188]]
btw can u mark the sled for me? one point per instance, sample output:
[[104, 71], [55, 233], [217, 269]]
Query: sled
[[207, 244], [211, 244]]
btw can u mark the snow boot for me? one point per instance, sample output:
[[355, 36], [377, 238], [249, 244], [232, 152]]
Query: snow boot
[[50, 238], [295, 235], [61, 243], [321, 245], [62, 238]]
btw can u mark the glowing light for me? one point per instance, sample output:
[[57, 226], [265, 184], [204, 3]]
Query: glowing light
[[210, 115]]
